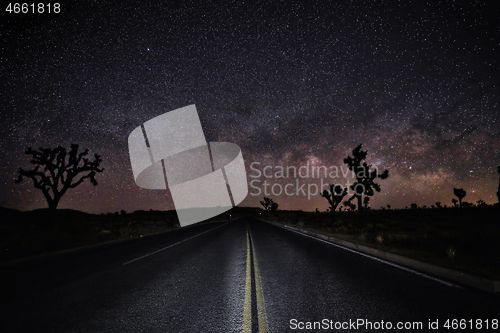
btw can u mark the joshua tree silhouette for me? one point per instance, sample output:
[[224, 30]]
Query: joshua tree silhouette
[[365, 176], [334, 197], [269, 205], [460, 193], [56, 171]]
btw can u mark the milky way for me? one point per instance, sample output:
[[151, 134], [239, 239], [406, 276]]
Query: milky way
[[292, 83]]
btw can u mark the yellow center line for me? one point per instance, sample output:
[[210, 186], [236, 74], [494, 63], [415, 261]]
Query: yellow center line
[[247, 313], [261, 308]]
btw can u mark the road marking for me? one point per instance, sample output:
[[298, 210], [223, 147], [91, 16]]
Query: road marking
[[449, 284], [247, 312], [261, 308], [171, 245]]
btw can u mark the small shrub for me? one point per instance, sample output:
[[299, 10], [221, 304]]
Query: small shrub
[[343, 229], [451, 252], [401, 237], [105, 235]]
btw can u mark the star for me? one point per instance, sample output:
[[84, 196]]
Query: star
[[416, 82]]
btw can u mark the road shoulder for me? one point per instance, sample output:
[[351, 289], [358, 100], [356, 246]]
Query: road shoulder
[[454, 276]]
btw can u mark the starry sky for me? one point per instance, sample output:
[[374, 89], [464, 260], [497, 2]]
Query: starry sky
[[293, 83]]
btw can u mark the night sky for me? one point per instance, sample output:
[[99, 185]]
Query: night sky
[[291, 82]]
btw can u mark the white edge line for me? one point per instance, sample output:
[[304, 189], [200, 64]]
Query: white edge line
[[378, 259], [171, 245]]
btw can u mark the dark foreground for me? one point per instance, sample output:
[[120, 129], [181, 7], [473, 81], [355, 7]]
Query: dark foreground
[[174, 283]]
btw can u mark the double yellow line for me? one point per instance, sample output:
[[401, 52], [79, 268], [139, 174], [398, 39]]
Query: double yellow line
[[261, 309]]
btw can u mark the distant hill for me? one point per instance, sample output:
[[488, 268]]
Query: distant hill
[[28, 233], [9, 215]]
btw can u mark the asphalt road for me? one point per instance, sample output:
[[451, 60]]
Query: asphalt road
[[238, 276]]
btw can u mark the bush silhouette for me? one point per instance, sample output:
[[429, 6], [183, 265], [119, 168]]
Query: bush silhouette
[[269, 204], [481, 203], [498, 191], [366, 201], [349, 206], [57, 171]]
